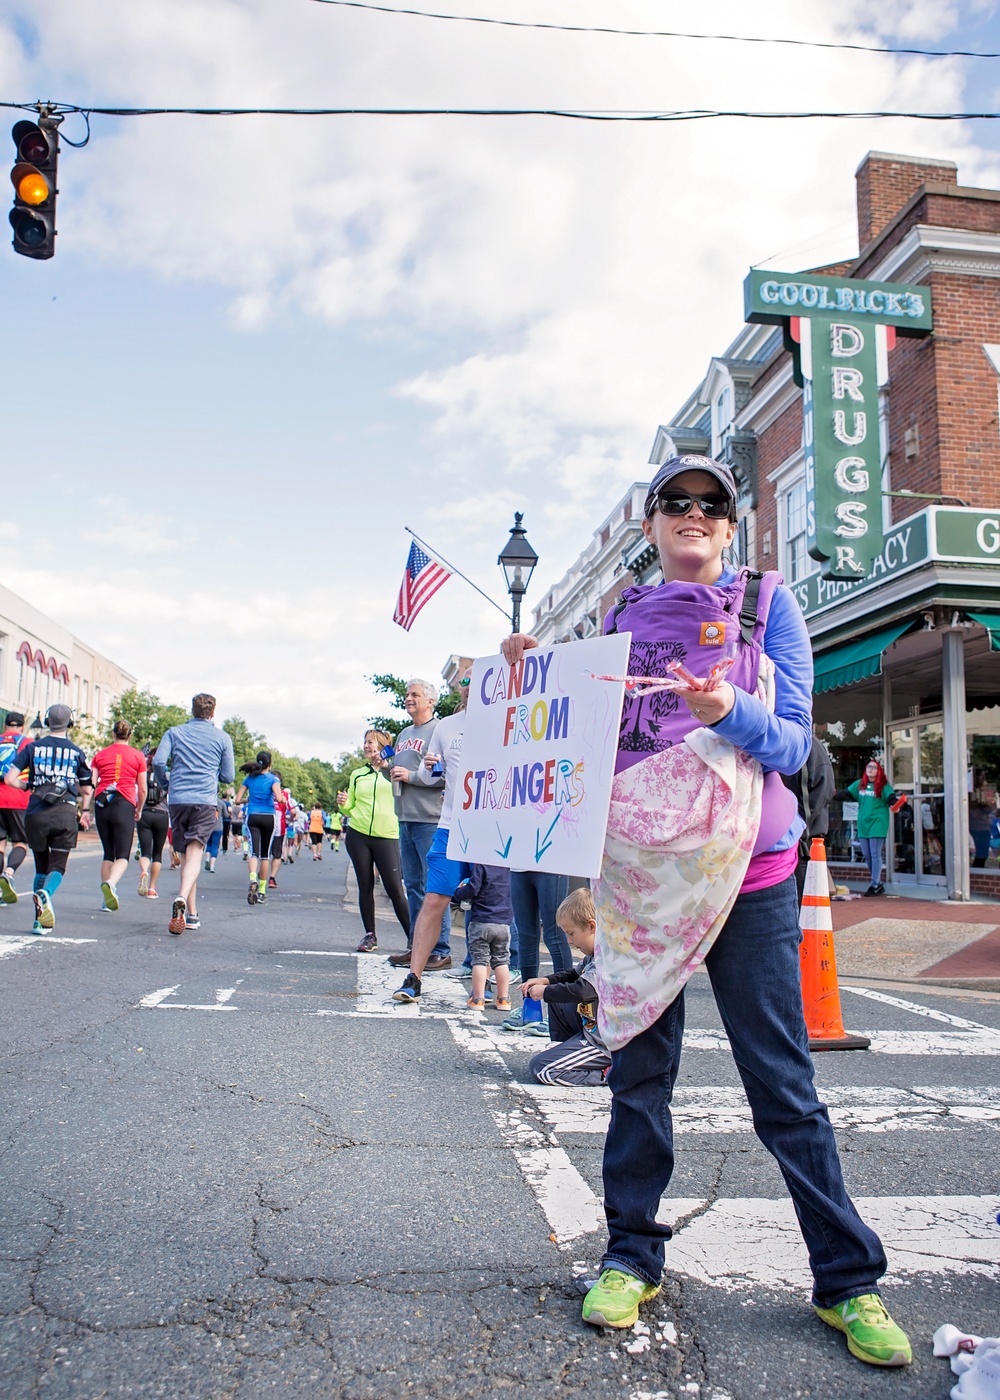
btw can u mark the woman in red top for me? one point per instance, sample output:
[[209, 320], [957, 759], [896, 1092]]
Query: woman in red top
[[120, 778]]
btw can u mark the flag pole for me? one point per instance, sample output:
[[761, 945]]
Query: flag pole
[[444, 561]]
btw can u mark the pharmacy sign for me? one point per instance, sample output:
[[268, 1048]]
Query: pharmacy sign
[[840, 331]]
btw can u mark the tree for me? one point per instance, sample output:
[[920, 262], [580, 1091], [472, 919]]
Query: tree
[[395, 688], [149, 716], [246, 744]]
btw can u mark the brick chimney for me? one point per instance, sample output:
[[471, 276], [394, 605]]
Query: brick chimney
[[885, 182]]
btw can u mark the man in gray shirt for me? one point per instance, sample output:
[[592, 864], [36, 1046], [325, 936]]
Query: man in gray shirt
[[418, 808], [200, 757]]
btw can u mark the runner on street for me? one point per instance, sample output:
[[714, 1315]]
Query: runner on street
[[57, 773], [120, 771], [13, 804], [199, 757]]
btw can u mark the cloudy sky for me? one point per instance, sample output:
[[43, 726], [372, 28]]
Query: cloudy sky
[[267, 344]]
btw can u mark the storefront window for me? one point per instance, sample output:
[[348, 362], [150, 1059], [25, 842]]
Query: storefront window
[[849, 722], [795, 532], [982, 737]]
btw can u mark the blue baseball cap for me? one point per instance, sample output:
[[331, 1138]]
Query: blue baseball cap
[[674, 466]]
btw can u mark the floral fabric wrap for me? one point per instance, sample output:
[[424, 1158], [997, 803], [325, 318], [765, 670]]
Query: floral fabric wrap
[[681, 830]]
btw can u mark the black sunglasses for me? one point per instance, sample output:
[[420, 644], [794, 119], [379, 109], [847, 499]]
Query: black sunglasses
[[673, 503]]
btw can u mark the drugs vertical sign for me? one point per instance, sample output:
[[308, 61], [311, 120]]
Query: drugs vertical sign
[[538, 758]]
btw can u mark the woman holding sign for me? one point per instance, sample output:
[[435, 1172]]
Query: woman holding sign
[[698, 869]]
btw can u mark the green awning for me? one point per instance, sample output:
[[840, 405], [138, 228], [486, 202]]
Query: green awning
[[855, 660], [991, 621]]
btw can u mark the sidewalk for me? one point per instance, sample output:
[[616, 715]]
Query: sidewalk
[[898, 938]]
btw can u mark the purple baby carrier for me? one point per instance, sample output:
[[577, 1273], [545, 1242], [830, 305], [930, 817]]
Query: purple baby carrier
[[695, 623]]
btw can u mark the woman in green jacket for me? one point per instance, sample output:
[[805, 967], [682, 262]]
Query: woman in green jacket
[[876, 799], [373, 836]]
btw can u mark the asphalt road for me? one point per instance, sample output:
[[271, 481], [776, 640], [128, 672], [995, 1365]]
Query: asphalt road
[[231, 1168]]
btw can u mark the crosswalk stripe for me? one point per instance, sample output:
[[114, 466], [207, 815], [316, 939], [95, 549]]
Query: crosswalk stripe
[[17, 943], [738, 1244], [724, 1109]]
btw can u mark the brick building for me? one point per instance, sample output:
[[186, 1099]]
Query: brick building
[[907, 664]]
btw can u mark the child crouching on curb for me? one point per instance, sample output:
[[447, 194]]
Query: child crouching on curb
[[487, 889], [580, 1056]]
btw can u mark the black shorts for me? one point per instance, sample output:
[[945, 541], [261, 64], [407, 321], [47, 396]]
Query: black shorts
[[12, 825], [277, 845], [316, 838], [152, 829], [52, 828], [260, 828], [192, 823], [115, 827]]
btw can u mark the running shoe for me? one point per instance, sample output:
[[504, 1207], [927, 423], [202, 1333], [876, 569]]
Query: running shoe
[[36, 927], [208, 865], [536, 1028], [515, 976], [110, 896], [44, 913], [272, 883], [410, 990], [615, 1297], [152, 894], [7, 891], [503, 1004], [871, 1334], [476, 1004], [177, 916], [368, 944], [515, 1021], [144, 885], [252, 892], [191, 921]]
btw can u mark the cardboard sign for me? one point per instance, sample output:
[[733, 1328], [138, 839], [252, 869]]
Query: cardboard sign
[[538, 758]]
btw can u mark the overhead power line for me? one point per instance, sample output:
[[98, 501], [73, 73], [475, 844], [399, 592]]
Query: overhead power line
[[658, 33], [570, 114]]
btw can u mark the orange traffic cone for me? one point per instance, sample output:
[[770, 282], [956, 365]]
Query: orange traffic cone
[[820, 993]]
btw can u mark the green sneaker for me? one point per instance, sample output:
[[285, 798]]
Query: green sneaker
[[110, 896], [7, 891], [614, 1299], [44, 913], [871, 1334]]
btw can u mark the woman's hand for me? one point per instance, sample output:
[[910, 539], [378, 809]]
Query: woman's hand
[[341, 799], [535, 988], [400, 775], [514, 646], [709, 706]]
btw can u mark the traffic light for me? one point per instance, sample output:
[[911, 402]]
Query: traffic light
[[33, 217]]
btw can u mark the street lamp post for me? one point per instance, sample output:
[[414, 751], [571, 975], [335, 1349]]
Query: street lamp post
[[37, 725], [518, 560]]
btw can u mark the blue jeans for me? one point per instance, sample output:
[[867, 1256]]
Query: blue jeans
[[414, 842], [871, 849], [536, 896], [754, 971]]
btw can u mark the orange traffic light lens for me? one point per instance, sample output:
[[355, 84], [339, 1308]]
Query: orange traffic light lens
[[33, 188]]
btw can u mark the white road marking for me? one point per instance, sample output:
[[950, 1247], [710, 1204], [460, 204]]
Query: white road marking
[[740, 1244], [158, 1000], [930, 1011], [11, 943], [312, 953], [710, 1109], [569, 1205]]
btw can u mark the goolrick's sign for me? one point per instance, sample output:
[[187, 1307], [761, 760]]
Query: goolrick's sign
[[840, 332]]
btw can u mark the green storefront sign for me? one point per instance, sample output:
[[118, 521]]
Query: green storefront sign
[[949, 535], [840, 331]]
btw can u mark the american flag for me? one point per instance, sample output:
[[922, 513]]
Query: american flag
[[421, 580]]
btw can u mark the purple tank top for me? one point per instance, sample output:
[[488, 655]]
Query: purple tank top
[[695, 623]]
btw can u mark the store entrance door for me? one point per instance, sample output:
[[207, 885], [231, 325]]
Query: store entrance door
[[917, 840]]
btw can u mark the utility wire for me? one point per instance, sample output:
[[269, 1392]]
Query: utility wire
[[594, 115], [658, 33]]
